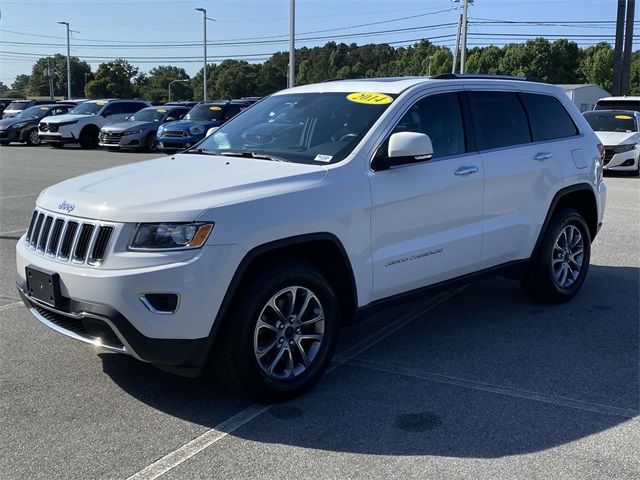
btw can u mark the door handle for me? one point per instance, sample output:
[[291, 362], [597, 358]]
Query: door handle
[[540, 156], [464, 171]]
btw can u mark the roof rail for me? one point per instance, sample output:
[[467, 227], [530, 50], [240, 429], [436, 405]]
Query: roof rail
[[459, 76]]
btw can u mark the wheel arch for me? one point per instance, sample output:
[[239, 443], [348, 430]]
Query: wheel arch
[[579, 196]]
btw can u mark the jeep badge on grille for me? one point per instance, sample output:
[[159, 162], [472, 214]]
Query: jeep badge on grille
[[66, 206]]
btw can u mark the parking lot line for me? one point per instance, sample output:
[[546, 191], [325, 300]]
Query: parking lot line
[[11, 232], [10, 305], [5, 197], [210, 437], [487, 387]]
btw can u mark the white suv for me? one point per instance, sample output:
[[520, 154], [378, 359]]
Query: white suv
[[82, 124], [318, 203]]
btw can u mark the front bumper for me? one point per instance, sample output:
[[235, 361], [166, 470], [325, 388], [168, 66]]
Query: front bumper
[[136, 140], [177, 143], [626, 161], [10, 136], [108, 301]]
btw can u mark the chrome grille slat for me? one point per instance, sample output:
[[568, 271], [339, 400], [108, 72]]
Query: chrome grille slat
[[65, 238]]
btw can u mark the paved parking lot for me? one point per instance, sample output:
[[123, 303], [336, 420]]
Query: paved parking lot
[[478, 382]]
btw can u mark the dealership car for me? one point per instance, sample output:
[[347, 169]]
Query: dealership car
[[625, 102], [18, 106], [82, 124], [193, 127], [250, 250], [3, 104], [23, 127], [138, 131], [618, 130]]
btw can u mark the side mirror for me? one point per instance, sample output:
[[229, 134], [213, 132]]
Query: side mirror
[[405, 148], [169, 119]]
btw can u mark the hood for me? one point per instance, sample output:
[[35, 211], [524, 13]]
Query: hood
[[177, 188], [67, 117], [124, 126], [187, 124], [7, 122], [610, 139]]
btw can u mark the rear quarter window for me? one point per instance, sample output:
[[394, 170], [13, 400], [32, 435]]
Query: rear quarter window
[[549, 119], [499, 119]]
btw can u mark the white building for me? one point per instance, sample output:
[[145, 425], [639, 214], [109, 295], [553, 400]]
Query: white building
[[584, 95]]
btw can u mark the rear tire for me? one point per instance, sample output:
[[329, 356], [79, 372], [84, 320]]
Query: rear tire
[[276, 356], [559, 267], [32, 137], [89, 137]]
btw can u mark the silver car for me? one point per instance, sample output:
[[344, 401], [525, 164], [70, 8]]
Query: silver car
[[138, 131]]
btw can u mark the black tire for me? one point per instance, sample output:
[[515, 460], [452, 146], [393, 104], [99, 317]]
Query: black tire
[[150, 144], [32, 137], [89, 137], [540, 280], [4, 142], [234, 359]]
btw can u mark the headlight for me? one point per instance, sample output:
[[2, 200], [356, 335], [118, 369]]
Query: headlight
[[170, 236], [624, 148], [67, 123], [133, 132], [160, 129], [19, 125], [196, 130]]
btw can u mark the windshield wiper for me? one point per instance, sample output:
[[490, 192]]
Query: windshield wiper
[[262, 156]]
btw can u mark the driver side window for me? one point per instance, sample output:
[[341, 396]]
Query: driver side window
[[440, 117], [111, 109]]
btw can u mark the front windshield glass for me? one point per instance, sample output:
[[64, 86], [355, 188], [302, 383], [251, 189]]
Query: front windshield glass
[[88, 108], [148, 115], [204, 112], [17, 105], [34, 112], [304, 127], [600, 121]]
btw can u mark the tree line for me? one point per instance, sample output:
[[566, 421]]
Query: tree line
[[560, 61]]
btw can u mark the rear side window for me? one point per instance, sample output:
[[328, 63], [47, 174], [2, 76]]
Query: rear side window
[[131, 107], [500, 119], [549, 119]]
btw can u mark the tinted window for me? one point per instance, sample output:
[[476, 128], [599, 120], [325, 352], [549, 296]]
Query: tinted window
[[178, 113], [230, 112], [549, 119], [500, 119], [611, 121], [112, 109], [618, 105], [131, 107], [438, 116]]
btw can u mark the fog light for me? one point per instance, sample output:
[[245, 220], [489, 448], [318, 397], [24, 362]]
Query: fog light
[[628, 163], [160, 303]]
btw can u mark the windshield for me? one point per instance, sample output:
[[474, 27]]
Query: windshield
[[88, 108], [302, 128], [204, 112], [34, 112], [611, 121], [148, 115], [17, 105]]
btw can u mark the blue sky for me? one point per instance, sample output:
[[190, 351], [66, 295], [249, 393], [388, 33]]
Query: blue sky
[[133, 25]]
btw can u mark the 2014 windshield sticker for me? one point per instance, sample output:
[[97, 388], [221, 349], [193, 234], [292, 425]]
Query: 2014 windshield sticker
[[369, 98], [323, 158], [396, 261]]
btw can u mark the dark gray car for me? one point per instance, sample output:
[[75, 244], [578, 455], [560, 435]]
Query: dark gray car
[[139, 130]]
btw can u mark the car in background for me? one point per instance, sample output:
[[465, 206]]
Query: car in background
[[75, 101], [193, 127], [23, 127], [618, 132], [139, 130], [619, 103], [82, 124], [182, 104], [18, 106], [3, 104]]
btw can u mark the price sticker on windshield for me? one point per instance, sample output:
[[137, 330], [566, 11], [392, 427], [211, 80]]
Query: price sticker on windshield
[[215, 108], [369, 98], [161, 110], [101, 103], [623, 117]]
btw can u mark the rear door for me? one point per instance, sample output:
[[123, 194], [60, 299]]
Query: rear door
[[521, 175], [426, 219]]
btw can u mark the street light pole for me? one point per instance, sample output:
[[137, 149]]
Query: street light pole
[[292, 43], [463, 46], [204, 70], [68, 61], [171, 83]]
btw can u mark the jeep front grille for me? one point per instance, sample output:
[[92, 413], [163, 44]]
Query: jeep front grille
[[65, 239]]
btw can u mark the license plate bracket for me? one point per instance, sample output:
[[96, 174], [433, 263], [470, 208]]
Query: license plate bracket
[[43, 286]]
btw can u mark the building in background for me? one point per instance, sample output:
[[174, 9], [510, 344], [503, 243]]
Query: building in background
[[584, 95]]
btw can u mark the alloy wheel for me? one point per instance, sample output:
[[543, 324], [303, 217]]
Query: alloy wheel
[[567, 256]]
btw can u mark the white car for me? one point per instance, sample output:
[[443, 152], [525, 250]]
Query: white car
[[252, 248], [82, 124], [618, 132]]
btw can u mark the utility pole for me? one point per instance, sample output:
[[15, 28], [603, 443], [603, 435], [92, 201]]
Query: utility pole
[[204, 70], [463, 46], [456, 50], [617, 51], [292, 44], [68, 61], [50, 75], [625, 74]]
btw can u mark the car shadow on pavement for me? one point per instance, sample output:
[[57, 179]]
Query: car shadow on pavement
[[487, 374]]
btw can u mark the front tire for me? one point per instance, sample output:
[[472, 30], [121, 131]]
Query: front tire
[[89, 137], [32, 137], [281, 332], [150, 144], [559, 267]]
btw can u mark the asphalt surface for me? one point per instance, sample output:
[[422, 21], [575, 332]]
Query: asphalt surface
[[476, 383]]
